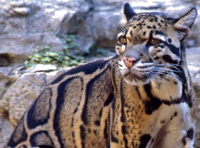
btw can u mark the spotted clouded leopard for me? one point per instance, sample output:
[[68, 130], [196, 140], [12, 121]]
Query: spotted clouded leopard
[[140, 98]]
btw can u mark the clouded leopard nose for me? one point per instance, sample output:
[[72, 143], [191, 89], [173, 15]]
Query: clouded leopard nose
[[129, 61]]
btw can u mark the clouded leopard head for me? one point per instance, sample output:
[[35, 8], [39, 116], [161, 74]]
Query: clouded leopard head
[[150, 44]]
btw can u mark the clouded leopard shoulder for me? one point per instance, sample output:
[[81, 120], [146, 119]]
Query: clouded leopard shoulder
[[141, 98]]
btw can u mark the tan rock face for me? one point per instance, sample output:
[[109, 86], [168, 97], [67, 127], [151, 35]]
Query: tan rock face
[[6, 129], [193, 59], [22, 94], [24, 90]]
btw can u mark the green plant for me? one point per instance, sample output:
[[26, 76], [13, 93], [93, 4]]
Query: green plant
[[95, 51], [44, 55]]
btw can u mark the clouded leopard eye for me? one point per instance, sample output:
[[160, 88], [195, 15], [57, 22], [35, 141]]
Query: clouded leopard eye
[[123, 40], [155, 41]]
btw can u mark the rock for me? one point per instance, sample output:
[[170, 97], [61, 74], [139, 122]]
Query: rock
[[18, 91], [97, 28], [43, 68], [19, 36], [25, 89], [194, 38], [18, 48], [193, 58], [4, 60], [27, 24], [5, 82], [23, 11], [194, 34], [6, 129], [75, 22], [106, 26], [21, 95]]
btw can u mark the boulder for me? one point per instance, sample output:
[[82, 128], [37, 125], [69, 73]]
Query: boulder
[[25, 89], [21, 95], [6, 129], [193, 58], [4, 83], [106, 26], [23, 27]]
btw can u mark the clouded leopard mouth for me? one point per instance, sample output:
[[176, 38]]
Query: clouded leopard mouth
[[139, 74], [136, 78], [131, 74]]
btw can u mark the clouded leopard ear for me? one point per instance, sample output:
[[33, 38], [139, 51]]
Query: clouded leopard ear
[[128, 12], [184, 23]]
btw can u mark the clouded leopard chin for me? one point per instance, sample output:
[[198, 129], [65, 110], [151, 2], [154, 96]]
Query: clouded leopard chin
[[141, 98]]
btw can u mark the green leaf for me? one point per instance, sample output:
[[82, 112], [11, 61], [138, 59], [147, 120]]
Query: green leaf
[[45, 55]]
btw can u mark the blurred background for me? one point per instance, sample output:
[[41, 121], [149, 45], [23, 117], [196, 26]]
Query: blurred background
[[40, 39]]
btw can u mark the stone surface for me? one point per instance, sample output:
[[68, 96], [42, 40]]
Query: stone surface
[[23, 91], [4, 81], [193, 59], [24, 25], [6, 130], [106, 26], [43, 68], [21, 94]]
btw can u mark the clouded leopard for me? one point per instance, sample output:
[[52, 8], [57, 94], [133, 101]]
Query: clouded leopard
[[140, 98]]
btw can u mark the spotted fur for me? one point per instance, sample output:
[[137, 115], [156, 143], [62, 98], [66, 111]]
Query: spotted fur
[[141, 98]]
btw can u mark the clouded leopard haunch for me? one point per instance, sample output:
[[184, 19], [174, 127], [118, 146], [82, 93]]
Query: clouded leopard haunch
[[141, 98]]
